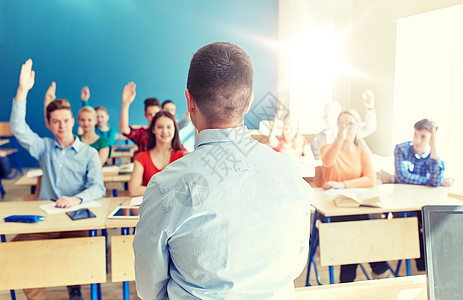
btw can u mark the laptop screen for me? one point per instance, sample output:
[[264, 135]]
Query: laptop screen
[[443, 236]]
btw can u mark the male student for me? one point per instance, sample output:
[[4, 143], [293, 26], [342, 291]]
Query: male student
[[71, 169], [230, 220], [417, 162], [140, 135]]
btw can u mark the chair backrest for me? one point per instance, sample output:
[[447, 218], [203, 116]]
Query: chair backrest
[[5, 129], [122, 258], [368, 241], [47, 263]]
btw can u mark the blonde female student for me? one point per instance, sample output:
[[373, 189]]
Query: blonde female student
[[87, 119], [164, 147], [346, 163]]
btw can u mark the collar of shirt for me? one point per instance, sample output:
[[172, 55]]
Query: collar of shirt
[[426, 154], [76, 145], [227, 135]]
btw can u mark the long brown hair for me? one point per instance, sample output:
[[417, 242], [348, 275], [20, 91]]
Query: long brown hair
[[175, 144]]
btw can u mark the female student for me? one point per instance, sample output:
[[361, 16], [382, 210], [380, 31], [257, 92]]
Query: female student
[[87, 121], [346, 163], [103, 128], [164, 147], [291, 142]]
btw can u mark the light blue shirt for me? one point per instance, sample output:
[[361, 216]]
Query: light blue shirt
[[228, 221], [73, 171]]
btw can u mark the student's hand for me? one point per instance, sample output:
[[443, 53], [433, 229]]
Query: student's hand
[[368, 99], [66, 201], [334, 185], [128, 95], [448, 182], [85, 93], [26, 80], [342, 133], [432, 140], [50, 95]]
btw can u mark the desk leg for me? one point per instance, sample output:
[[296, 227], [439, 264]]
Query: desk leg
[[93, 286], [33, 187], [313, 244], [331, 269], [12, 293], [125, 284], [408, 264]]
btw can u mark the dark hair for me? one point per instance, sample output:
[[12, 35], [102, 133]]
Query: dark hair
[[57, 105], [176, 144], [152, 102], [167, 102], [424, 124], [220, 80], [102, 108]]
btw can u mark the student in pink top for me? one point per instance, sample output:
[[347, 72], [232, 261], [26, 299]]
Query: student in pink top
[[164, 147], [347, 164], [291, 142]]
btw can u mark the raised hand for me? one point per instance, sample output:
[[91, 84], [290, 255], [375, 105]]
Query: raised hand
[[128, 95], [368, 99], [342, 133], [26, 80], [85, 93], [50, 95]]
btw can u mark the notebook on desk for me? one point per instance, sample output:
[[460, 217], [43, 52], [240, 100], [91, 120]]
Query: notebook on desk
[[443, 239]]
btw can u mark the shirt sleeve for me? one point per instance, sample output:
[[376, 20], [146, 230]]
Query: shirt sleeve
[[94, 185], [112, 136], [370, 124], [329, 153], [30, 140], [150, 247], [133, 135], [184, 122]]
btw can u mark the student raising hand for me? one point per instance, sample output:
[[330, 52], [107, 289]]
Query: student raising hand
[[85, 93], [26, 80], [128, 95]]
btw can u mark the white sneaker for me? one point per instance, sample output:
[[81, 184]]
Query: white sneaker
[[385, 274]]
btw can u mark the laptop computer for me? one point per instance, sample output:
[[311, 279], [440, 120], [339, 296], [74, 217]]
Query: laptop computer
[[443, 239]]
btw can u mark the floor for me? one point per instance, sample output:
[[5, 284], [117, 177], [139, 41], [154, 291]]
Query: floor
[[112, 290]]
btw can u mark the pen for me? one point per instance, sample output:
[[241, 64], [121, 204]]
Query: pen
[[54, 200]]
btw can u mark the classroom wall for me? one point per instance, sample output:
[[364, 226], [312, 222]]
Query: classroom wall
[[107, 43], [367, 31]]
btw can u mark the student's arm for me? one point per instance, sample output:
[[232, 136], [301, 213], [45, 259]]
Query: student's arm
[[370, 115], [112, 136], [368, 178], [150, 246], [272, 140], [85, 95], [94, 185], [436, 169], [329, 153], [184, 121], [136, 178], [50, 95], [103, 154], [26, 137], [128, 95]]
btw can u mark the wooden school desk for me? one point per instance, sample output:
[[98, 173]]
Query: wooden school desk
[[122, 257], [112, 182], [54, 262], [401, 198], [399, 288]]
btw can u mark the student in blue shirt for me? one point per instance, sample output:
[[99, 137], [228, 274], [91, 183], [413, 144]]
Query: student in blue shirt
[[71, 169], [230, 220], [417, 162]]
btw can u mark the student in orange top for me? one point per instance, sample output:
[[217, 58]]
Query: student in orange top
[[164, 147], [347, 164], [347, 161]]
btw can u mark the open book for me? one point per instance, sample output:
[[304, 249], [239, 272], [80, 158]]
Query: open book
[[357, 197]]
